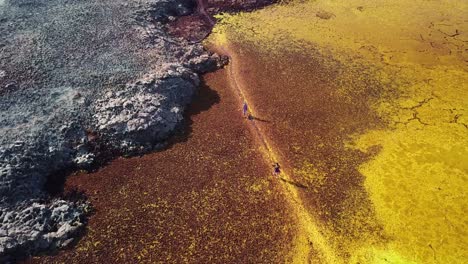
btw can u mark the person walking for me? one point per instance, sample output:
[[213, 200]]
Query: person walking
[[276, 169], [245, 109]]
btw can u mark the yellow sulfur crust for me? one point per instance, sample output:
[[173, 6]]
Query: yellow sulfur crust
[[417, 181]]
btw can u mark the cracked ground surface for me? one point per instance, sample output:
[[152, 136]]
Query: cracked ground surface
[[367, 103]]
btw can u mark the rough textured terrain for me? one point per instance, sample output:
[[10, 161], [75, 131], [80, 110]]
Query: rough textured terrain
[[208, 198], [367, 103], [363, 104], [197, 26], [82, 81]]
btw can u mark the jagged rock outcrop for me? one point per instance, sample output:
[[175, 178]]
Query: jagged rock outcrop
[[80, 80], [38, 226]]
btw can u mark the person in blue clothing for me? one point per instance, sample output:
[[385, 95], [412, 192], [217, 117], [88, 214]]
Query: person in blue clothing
[[245, 109]]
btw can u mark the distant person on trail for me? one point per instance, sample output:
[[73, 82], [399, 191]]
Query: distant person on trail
[[245, 109], [276, 169]]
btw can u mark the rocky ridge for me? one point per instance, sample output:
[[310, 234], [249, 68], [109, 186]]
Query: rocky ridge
[[82, 81]]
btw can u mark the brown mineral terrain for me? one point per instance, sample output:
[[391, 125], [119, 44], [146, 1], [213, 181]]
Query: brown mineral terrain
[[290, 113], [196, 26], [209, 197], [369, 130], [76, 95], [366, 107]]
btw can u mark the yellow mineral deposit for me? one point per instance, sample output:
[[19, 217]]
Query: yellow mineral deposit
[[417, 181]]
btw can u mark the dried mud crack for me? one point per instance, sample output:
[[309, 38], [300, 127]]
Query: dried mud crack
[[309, 241], [350, 111]]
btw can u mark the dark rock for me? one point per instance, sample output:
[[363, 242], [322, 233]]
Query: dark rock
[[93, 79]]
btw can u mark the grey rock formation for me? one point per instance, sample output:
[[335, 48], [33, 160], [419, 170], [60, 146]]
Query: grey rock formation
[[80, 79], [37, 226]]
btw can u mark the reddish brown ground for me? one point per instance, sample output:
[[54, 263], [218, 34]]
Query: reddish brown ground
[[197, 26], [209, 198], [308, 119]]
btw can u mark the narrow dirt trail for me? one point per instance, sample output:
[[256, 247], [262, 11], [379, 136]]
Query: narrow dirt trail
[[310, 241]]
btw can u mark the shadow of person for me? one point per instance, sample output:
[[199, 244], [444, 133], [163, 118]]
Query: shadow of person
[[251, 117]]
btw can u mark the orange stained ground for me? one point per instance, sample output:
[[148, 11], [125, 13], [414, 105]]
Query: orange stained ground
[[208, 198], [300, 110], [367, 103], [364, 105]]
